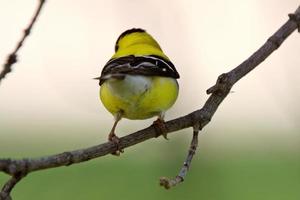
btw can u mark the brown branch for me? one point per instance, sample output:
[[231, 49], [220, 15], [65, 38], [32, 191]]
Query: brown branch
[[9, 185], [202, 116], [168, 183], [13, 57]]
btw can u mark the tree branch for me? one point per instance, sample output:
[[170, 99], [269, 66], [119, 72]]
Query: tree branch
[[168, 183], [9, 185], [13, 57], [202, 116]]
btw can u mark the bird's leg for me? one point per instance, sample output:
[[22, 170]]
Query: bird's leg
[[113, 137], [160, 127]]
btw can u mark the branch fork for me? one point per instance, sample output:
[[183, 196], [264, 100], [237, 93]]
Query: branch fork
[[222, 86], [296, 18], [19, 168]]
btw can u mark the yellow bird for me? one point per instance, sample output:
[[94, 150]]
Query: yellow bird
[[139, 81]]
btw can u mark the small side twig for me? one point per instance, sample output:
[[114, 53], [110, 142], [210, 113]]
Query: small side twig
[[168, 183], [13, 57], [296, 18], [202, 117], [9, 185]]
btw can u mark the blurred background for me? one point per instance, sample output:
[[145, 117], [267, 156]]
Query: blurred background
[[50, 104]]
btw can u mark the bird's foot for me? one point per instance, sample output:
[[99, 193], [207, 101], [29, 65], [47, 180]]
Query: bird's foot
[[160, 127], [116, 140]]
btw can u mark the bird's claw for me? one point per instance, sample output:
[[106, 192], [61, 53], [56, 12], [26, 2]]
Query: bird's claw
[[116, 140], [160, 128]]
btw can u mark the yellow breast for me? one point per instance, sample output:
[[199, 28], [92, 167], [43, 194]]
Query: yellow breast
[[139, 97]]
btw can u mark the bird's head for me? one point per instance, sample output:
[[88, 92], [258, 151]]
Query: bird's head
[[135, 36]]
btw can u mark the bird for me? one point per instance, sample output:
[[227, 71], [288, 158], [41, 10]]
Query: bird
[[138, 82]]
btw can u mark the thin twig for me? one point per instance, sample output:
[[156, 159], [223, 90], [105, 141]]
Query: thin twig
[[8, 186], [168, 183], [202, 117], [13, 57]]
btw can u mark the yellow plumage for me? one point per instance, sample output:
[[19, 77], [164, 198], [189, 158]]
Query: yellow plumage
[[139, 105], [138, 44], [139, 81]]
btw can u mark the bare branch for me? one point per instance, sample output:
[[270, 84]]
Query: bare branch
[[13, 57], [9, 185], [168, 183], [227, 80], [202, 116]]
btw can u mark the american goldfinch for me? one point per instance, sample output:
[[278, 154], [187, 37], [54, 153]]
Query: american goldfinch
[[139, 81]]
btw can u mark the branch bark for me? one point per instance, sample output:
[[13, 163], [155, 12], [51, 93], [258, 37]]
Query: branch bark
[[12, 57], [168, 183], [199, 117]]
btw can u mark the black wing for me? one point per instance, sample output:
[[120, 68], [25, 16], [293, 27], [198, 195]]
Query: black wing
[[138, 65]]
